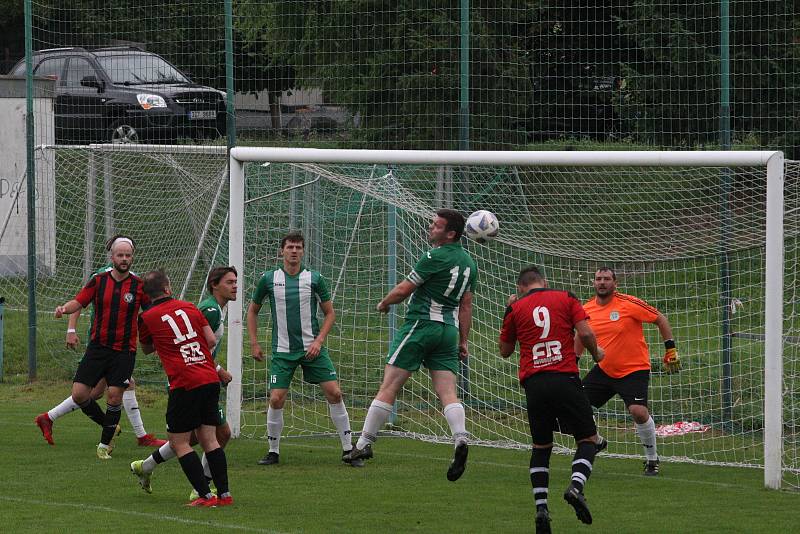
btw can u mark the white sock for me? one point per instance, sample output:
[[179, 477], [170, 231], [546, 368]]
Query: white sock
[[166, 453], [342, 422], [132, 410], [647, 435], [274, 428], [67, 406], [206, 468], [377, 415], [457, 419]]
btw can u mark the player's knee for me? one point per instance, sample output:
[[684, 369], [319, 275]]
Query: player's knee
[[334, 396], [640, 413], [277, 400], [223, 435]]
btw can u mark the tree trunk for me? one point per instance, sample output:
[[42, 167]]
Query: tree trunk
[[275, 110]]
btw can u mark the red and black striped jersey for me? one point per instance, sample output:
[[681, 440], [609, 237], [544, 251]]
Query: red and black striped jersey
[[116, 309], [543, 322]]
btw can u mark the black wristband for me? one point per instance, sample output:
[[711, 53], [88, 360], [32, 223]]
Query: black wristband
[[669, 344]]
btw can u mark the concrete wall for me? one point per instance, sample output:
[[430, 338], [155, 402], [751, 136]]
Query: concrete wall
[[13, 185]]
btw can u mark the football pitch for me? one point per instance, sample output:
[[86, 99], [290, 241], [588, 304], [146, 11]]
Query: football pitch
[[65, 488]]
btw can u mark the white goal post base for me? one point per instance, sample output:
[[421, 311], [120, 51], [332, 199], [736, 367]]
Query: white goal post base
[[352, 189]]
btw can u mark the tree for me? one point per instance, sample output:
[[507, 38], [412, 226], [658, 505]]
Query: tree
[[395, 65], [672, 95], [576, 51]]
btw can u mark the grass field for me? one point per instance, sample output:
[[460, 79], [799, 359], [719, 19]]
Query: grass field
[[65, 488]]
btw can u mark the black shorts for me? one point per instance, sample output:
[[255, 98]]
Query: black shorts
[[554, 398], [632, 388], [101, 362], [187, 409]]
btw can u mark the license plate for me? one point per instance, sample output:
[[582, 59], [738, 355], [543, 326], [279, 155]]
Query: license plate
[[202, 115]]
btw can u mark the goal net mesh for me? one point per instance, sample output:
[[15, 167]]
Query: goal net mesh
[[172, 201], [689, 241]]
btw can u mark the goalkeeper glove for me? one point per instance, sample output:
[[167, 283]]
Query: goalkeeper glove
[[672, 363]]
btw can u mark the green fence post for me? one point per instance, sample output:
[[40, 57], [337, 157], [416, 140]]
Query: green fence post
[[30, 176], [2, 310]]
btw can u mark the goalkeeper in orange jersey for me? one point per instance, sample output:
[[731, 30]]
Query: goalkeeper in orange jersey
[[616, 320]]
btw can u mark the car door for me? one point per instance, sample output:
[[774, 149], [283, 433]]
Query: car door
[[85, 111], [53, 68]]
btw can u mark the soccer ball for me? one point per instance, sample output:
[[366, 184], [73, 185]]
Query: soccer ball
[[482, 226]]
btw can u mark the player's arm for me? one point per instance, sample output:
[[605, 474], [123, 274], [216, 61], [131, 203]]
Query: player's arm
[[145, 339], [588, 340], [68, 308], [398, 294], [72, 332], [464, 324], [508, 332], [507, 348], [330, 318], [211, 339], [578, 345], [663, 327], [672, 362], [252, 330]]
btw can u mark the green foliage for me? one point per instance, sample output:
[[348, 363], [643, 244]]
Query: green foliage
[[671, 94], [397, 65]]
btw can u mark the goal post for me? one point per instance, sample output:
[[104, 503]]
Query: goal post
[[569, 211]]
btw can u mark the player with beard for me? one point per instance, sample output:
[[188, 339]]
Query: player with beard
[[46, 419], [117, 297], [617, 321]]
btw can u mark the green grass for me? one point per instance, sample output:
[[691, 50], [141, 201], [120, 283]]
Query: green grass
[[65, 488]]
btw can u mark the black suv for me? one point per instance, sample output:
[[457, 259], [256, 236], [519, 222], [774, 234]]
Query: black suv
[[125, 95]]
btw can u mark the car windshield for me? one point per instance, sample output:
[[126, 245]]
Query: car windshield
[[136, 69]]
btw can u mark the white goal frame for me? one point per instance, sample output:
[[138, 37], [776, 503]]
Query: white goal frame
[[773, 314]]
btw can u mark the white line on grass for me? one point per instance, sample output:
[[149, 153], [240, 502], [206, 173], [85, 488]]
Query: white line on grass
[[661, 476], [639, 476], [159, 517]]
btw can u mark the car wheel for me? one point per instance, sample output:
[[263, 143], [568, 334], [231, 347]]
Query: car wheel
[[123, 133], [299, 126]]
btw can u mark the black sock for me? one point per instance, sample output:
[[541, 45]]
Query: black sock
[[582, 464], [93, 411], [540, 475], [219, 469], [193, 468], [113, 411], [157, 458]]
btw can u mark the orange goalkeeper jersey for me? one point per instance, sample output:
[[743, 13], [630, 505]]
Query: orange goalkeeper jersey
[[618, 327]]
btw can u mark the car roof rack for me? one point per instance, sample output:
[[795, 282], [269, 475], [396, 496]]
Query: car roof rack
[[121, 47], [63, 49]]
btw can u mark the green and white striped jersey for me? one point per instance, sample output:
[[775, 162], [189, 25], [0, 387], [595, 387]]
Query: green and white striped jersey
[[215, 315], [442, 276], [293, 304]]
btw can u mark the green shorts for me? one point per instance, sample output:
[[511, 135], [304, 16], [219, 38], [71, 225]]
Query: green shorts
[[431, 343], [282, 367], [221, 407], [222, 418]]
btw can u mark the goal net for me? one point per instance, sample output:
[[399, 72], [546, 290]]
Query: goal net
[[173, 202], [687, 232]]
